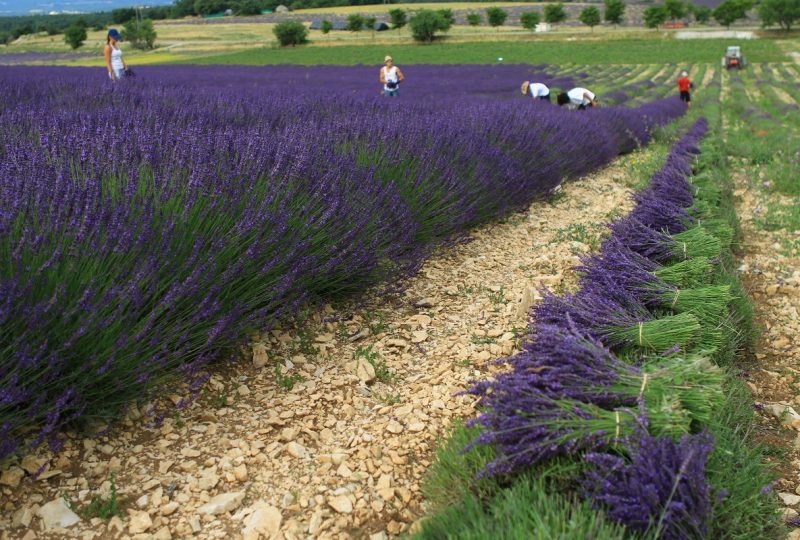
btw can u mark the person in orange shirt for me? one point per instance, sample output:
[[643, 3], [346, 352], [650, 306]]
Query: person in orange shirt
[[685, 85]]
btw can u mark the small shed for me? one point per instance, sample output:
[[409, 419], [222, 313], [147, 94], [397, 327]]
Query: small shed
[[229, 13], [543, 27], [281, 9]]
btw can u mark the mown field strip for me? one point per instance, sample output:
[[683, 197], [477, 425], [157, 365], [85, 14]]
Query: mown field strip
[[342, 453]]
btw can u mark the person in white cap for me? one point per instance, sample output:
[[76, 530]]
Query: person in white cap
[[577, 98], [685, 86], [536, 90], [391, 77]]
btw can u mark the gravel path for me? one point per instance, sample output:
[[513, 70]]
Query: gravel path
[[326, 431], [770, 271]]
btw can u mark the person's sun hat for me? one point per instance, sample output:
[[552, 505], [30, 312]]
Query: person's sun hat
[[386, 58], [524, 87], [684, 74], [114, 34]]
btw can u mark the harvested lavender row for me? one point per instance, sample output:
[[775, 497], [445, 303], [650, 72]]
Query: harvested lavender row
[[146, 226], [618, 374]]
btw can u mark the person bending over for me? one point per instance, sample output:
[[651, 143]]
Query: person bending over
[[577, 98], [535, 90]]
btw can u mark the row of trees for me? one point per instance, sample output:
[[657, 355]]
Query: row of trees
[[425, 24], [784, 13], [75, 27], [140, 34]]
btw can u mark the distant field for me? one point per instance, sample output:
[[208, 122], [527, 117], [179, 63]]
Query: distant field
[[254, 43], [384, 8], [532, 52]]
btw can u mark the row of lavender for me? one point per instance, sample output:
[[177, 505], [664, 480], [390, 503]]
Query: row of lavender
[[620, 375], [147, 226]]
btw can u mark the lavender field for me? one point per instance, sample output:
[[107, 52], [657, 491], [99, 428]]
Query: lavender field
[[146, 227]]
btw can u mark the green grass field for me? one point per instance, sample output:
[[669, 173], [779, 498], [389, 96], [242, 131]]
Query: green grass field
[[638, 51]]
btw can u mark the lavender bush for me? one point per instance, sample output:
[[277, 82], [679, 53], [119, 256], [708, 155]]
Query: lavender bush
[[145, 226]]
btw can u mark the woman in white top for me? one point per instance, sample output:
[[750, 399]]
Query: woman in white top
[[114, 62], [536, 90], [391, 77], [577, 98]]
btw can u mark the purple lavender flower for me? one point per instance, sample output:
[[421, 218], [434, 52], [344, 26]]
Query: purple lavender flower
[[661, 486]]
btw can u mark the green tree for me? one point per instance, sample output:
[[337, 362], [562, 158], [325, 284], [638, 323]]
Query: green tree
[[182, 8], [447, 17], [209, 7], [675, 9], [496, 16], [474, 19], [530, 19], [355, 22], [785, 13], [590, 16], [326, 26], [398, 18], [369, 23], [655, 16], [141, 34], [74, 36], [248, 7], [5, 37], [554, 13], [731, 11], [425, 24], [615, 11], [290, 33], [122, 15], [702, 14]]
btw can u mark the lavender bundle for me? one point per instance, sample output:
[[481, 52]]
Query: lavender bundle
[[660, 213], [660, 488], [719, 228], [656, 334], [567, 394], [661, 247], [706, 303], [594, 310], [689, 273], [644, 278], [692, 382], [695, 242]]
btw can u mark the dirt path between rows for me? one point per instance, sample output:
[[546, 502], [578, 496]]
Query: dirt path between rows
[[771, 273], [327, 431]]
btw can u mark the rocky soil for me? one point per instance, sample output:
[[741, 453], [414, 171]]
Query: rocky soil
[[771, 270], [324, 430]]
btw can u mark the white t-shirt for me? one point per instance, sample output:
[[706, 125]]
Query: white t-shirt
[[576, 96], [538, 90], [390, 75]]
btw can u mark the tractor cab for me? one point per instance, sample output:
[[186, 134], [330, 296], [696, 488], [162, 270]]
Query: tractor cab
[[733, 58]]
